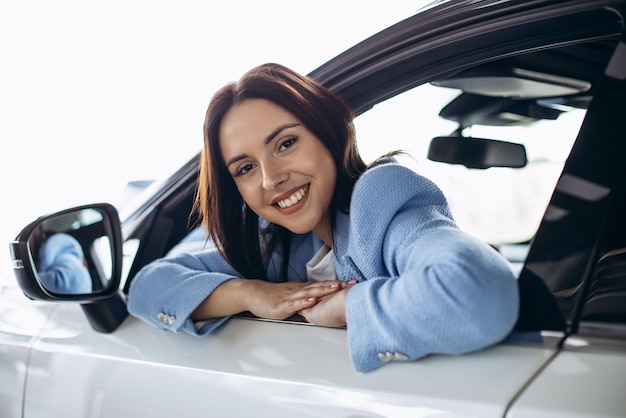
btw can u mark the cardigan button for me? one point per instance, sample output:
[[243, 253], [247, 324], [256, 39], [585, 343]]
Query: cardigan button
[[386, 357], [166, 319]]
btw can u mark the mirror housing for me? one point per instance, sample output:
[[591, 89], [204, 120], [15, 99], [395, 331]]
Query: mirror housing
[[74, 255], [477, 152]]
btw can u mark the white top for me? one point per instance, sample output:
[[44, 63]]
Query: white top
[[321, 266]]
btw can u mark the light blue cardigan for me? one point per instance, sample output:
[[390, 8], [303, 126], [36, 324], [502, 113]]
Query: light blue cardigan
[[425, 286]]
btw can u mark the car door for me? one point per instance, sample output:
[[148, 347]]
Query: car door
[[271, 368], [21, 322]]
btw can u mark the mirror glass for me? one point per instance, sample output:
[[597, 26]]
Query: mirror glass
[[72, 252], [477, 152]]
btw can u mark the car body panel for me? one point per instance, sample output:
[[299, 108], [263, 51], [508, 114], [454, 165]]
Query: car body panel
[[21, 322], [273, 368], [595, 383]]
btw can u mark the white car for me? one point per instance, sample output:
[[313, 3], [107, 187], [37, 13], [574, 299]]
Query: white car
[[544, 79]]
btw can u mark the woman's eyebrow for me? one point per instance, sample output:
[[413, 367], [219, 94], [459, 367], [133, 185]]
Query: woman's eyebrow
[[268, 139], [278, 130], [235, 159]]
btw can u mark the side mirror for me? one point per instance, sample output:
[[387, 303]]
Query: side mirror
[[477, 152], [74, 255]]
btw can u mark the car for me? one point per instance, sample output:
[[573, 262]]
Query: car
[[515, 108]]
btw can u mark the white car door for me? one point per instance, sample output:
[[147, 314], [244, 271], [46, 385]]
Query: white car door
[[256, 367], [21, 322], [586, 379]]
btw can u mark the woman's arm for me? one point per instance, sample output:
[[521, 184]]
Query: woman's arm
[[174, 293], [449, 295], [428, 287], [165, 292]]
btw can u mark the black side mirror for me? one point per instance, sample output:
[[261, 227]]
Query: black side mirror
[[477, 152], [74, 255]]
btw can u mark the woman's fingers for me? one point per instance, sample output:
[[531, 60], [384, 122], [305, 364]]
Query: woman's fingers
[[281, 300], [328, 287], [329, 311]]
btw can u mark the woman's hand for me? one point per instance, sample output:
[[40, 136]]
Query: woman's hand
[[282, 300], [266, 299], [330, 311]]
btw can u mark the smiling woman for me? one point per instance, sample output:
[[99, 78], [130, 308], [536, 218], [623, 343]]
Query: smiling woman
[[300, 229]]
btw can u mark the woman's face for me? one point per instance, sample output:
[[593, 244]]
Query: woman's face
[[283, 172]]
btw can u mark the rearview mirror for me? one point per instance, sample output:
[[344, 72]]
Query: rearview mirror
[[74, 255], [477, 152]]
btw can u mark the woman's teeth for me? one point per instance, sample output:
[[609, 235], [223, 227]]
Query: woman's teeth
[[294, 198]]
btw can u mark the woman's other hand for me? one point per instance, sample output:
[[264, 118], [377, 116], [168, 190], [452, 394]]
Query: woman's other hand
[[329, 311]]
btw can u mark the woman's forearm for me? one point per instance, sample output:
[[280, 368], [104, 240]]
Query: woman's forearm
[[227, 299]]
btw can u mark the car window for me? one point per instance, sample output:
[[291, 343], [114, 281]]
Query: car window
[[498, 205]]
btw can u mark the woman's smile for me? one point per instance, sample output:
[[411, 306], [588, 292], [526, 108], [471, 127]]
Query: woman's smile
[[293, 199]]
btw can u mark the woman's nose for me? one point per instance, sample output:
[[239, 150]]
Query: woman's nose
[[273, 175]]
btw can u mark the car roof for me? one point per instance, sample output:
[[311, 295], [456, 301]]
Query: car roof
[[570, 40]]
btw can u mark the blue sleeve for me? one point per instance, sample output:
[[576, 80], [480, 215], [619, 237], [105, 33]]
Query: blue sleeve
[[61, 265], [440, 291], [165, 292]]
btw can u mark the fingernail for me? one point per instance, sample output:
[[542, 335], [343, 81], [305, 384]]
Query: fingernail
[[312, 299], [334, 285], [353, 281]]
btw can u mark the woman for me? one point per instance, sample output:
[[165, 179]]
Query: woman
[[303, 226]]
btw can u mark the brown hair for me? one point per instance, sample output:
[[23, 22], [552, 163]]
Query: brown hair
[[233, 227]]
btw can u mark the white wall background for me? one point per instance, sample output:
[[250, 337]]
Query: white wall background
[[95, 94]]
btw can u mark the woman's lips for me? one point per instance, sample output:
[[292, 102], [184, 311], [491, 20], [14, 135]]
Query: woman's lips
[[293, 198]]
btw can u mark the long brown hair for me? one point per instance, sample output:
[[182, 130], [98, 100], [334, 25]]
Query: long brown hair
[[234, 228]]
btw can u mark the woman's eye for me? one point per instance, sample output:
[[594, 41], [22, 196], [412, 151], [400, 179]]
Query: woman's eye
[[244, 169], [287, 143]]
